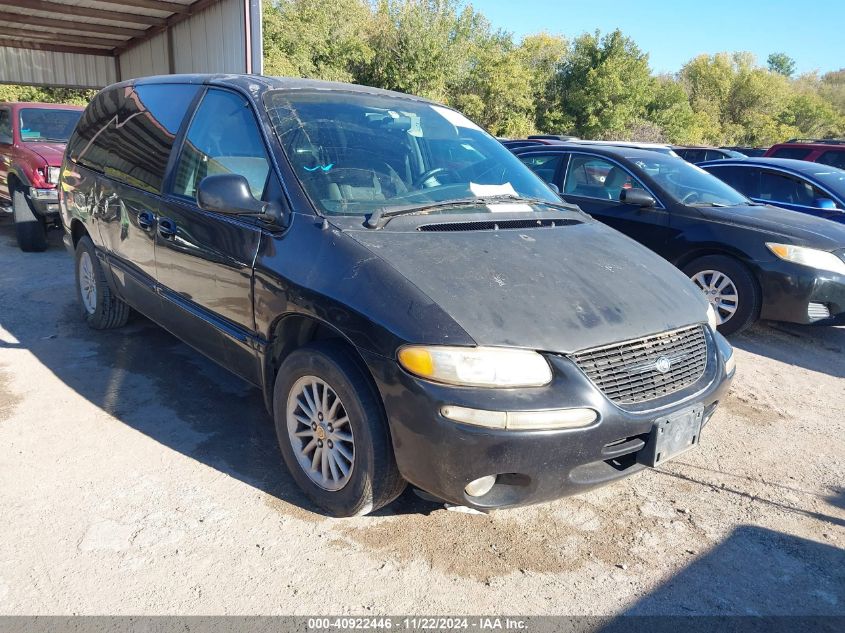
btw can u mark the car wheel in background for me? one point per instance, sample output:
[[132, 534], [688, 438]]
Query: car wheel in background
[[100, 308], [332, 431], [730, 288], [30, 230]]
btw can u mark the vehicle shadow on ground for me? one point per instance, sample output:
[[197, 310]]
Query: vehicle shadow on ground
[[815, 347], [146, 378], [818, 516], [769, 573]]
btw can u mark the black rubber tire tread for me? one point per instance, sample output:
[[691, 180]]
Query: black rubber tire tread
[[749, 296], [111, 311], [30, 230], [375, 480]]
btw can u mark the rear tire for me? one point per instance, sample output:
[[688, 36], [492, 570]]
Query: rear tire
[[721, 277], [30, 230], [100, 308], [372, 479]]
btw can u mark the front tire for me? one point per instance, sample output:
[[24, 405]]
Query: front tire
[[99, 307], [332, 431], [30, 230], [730, 288]]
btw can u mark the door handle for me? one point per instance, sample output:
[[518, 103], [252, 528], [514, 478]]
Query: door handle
[[166, 227], [146, 220]]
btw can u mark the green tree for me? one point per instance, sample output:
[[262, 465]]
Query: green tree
[[319, 40], [12, 92], [782, 64], [497, 90], [422, 46], [543, 55], [603, 86]]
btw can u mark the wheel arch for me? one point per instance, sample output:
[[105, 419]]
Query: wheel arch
[[292, 331], [77, 231]]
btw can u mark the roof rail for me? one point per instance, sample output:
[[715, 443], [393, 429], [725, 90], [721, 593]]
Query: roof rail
[[827, 141]]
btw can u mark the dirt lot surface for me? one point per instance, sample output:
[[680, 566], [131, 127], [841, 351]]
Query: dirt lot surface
[[138, 478]]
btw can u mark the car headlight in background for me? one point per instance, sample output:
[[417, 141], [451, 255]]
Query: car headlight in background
[[476, 366], [812, 257], [53, 175]]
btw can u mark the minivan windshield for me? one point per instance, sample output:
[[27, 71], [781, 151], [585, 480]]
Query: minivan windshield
[[356, 152], [688, 183], [47, 124]]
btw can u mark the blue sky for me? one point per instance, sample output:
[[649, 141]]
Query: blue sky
[[674, 31]]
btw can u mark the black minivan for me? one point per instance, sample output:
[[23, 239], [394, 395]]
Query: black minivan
[[416, 305]]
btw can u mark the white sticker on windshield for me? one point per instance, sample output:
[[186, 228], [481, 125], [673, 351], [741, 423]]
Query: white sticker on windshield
[[455, 118], [509, 207], [482, 191]]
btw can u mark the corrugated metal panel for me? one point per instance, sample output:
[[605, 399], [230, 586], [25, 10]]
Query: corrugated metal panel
[[148, 58], [48, 68], [213, 41]]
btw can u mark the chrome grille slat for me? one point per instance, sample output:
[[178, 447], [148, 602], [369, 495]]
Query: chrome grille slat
[[616, 369]]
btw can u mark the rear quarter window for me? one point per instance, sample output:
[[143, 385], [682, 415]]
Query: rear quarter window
[[834, 158], [127, 132], [797, 153]]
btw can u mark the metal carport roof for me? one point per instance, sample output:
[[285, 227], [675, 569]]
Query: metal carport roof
[[90, 43]]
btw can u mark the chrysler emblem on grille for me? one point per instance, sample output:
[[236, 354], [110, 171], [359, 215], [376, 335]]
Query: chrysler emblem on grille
[[663, 364]]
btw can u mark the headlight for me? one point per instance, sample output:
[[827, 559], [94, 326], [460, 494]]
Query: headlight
[[712, 318], [53, 175], [811, 257], [476, 366]]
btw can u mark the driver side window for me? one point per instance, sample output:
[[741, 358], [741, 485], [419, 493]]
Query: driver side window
[[593, 177], [223, 139], [5, 126]]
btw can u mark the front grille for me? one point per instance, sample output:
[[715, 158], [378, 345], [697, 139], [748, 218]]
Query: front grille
[[631, 371], [491, 225]]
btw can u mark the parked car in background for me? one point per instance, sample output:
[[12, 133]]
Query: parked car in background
[[32, 142], [654, 147], [530, 142], [827, 152], [746, 150], [700, 154], [415, 304], [751, 261], [792, 184], [553, 137]]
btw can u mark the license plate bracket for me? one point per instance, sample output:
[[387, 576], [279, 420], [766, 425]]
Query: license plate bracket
[[672, 435]]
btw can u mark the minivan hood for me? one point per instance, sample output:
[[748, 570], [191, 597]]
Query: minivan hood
[[801, 229], [52, 153], [558, 289]]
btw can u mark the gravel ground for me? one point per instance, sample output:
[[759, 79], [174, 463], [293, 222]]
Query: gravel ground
[[138, 478]]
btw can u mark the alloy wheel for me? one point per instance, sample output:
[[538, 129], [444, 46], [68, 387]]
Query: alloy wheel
[[720, 291], [87, 283], [320, 433]]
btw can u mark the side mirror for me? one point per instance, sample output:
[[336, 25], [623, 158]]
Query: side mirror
[[637, 197], [553, 187], [230, 194], [825, 203]]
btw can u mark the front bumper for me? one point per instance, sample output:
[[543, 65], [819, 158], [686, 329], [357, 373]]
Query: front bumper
[[790, 289], [441, 456]]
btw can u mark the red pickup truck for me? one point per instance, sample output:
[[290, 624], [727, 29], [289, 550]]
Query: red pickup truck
[[32, 143]]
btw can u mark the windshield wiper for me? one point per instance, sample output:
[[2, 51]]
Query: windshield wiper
[[382, 215]]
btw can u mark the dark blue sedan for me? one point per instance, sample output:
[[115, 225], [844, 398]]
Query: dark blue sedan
[[797, 185]]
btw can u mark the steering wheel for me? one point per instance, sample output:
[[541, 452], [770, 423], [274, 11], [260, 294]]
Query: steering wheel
[[692, 196], [419, 180]]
